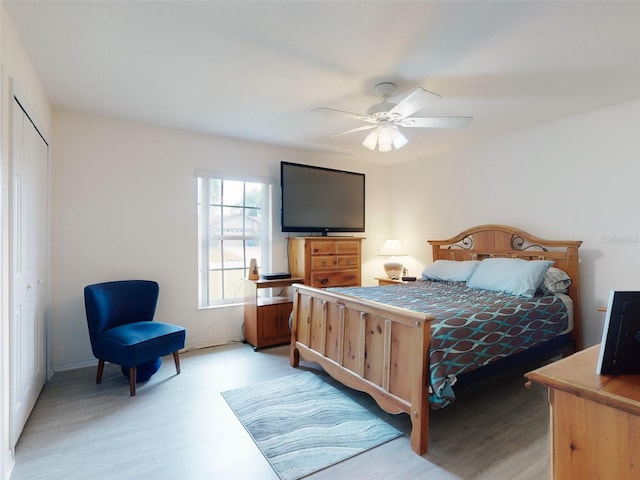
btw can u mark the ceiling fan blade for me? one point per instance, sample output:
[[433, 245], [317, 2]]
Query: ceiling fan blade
[[415, 101], [434, 122], [355, 116], [359, 129]]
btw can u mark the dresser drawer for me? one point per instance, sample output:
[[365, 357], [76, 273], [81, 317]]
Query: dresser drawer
[[323, 248], [335, 247], [342, 278], [347, 246], [319, 262], [324, 262], [348, 261]]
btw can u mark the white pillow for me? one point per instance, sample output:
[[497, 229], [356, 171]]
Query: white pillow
[[450, 270], [509, 275]]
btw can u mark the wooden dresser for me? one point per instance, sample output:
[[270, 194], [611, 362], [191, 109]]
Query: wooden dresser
[[595, 419], [326, 261]]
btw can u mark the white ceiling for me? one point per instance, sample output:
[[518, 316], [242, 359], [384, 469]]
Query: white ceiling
[[255, 70]]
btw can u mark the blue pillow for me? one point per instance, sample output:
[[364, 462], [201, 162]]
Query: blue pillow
[[509, 275], [450, 270]]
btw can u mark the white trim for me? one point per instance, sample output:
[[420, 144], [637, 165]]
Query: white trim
[[205, 237], [235, 177], [15, 97], [83, 362], [7, 461]]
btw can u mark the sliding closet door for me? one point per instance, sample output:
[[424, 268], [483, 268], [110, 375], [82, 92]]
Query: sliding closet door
[[29, 256]]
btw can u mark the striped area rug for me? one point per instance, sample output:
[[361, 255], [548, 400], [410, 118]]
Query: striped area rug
[[302, 424]]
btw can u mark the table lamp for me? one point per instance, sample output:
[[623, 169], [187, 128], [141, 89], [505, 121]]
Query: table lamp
[[392, 266]]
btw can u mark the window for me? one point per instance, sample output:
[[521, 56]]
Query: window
[[234, 226]]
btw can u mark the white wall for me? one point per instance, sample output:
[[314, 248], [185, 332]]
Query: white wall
[[123, 206], [575, 179]]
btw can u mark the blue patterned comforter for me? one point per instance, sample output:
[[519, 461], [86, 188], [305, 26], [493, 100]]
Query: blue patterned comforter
[[472, 327]]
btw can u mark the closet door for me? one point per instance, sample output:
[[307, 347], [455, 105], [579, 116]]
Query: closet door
[[29, 247]]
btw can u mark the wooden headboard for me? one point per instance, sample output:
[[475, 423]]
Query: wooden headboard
[[491, 241]]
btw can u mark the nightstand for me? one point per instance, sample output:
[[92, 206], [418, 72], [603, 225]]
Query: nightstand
[[266, 317], [388, 281]]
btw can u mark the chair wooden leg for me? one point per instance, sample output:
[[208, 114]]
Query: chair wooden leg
[[132, 381], [176, 359], [100, 370]]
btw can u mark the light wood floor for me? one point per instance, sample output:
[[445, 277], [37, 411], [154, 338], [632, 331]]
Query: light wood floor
[[180, 427]]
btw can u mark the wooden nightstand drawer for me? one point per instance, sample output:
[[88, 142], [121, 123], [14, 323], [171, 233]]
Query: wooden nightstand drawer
[[388, 281]]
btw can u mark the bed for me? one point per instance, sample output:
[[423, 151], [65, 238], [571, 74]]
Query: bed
[[371, 339]]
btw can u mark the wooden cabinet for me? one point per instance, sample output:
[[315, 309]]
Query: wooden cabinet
[[266, 311], [326, 261], [595, 419]]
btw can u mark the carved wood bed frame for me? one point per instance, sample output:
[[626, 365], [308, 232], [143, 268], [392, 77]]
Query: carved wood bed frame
[[383, 350]]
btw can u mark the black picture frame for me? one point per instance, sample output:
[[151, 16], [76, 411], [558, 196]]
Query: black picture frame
[[620, 347]]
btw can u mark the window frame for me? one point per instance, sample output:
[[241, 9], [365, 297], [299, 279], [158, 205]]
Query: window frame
[[204, 236]]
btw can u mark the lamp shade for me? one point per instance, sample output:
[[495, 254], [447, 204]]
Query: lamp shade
[[399, 140], [372, 139], [392, 266], [391, 248], [385, 136], [385, 139]]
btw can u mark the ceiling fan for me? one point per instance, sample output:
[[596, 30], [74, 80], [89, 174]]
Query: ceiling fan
[[385, 118]]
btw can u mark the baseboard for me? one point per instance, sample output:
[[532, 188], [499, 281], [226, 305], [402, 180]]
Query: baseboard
[[224, 341], [73, 364], [8, 464], [93, 362]]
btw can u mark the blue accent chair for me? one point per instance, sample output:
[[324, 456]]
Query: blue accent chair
[[122, 330]]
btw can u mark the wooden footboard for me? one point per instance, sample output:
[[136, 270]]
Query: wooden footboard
[[375, 348]]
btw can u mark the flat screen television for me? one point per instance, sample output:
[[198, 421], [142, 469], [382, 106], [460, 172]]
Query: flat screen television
[[620, 347], [318, 199]]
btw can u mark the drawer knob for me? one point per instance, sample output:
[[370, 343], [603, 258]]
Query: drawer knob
[[324, 281]]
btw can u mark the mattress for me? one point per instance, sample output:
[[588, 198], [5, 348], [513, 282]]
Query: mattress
[[472, 327]]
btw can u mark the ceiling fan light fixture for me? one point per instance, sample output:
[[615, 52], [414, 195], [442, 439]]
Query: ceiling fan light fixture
[[372, 139], [399, 140], [385, 139], [383, 147], [385, 117]]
